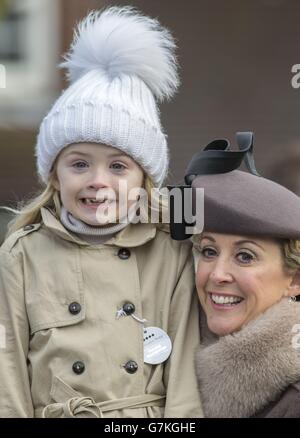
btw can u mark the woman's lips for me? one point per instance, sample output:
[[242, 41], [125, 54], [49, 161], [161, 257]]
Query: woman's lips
[[224, 301]]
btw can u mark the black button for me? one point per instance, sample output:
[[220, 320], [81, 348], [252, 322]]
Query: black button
[[28, 227], [129, 308], [124, 253], [74, 308], [78, 367], [131, 367]]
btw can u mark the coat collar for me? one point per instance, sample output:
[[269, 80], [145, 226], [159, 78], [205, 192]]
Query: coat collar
[[131, 236], [242, 373]]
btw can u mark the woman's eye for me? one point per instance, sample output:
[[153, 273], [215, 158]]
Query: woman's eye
[[208, 252], [79, 164], [245, 257], [117, 166]]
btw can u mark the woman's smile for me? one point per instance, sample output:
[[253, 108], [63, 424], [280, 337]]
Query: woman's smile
[[238, 278], [221, 301]]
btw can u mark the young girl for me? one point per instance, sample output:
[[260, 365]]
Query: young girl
[[98, 315]]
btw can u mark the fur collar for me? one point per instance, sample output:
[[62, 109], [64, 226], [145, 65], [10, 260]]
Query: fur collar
[[241, 373]]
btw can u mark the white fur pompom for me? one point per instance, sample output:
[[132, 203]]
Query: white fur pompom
[[121, 41]]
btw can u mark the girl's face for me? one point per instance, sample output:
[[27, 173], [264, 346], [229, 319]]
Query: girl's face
[[95, 180], [238, 278]]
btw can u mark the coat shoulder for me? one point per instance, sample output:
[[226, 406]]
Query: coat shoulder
[[14, 238], [180, 249]]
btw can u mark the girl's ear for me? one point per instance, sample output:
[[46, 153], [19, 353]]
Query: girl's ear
[[294, 287], [55, 183], [54, 179]]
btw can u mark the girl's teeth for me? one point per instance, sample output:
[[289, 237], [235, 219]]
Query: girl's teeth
[[92, 201], [219, 299]]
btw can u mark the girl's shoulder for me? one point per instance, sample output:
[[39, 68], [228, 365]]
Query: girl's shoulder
[[163, 240], [163, 231], [11, 241]]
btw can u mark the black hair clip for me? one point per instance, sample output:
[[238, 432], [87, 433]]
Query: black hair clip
[[215, 158]]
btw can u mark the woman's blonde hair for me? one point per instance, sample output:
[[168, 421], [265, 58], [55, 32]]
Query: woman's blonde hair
[[29, 212], [291, 253]]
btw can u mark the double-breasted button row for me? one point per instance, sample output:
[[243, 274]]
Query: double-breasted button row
[[124, 253], [131, 367]]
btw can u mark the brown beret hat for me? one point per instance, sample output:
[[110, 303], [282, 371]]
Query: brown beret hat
[[237, 202], [242, 203]]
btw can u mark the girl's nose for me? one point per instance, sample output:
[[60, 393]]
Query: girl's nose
[[221, 272], [99, 179]]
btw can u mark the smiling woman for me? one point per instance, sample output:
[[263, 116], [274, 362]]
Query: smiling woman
[[237, 279], [247, 262]]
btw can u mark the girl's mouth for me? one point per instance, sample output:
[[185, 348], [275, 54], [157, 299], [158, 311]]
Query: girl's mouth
[[94, 203]]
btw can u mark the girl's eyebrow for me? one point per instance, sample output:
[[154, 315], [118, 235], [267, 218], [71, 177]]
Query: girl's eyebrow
[[85, 154]]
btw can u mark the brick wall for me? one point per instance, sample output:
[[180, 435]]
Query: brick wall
[[236, 60]]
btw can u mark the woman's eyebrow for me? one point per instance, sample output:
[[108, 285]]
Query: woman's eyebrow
[[208, 238], [241, 242]]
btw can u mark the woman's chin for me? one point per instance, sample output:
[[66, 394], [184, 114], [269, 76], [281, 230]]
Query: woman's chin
[[223, 328]]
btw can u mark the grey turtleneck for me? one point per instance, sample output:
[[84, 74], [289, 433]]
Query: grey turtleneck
[[92, 235]]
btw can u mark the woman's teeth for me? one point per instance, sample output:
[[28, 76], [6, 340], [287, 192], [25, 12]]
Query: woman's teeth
[[224, 299]]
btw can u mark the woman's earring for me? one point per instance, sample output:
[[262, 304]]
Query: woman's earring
[[292, 299]]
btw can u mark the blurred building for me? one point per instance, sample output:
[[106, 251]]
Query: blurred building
[[236, 60]]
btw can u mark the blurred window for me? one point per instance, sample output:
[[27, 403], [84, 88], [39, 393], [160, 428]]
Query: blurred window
[[11, 27], [29, 53]]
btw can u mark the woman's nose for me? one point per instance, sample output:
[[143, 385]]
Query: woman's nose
[[221, 272]]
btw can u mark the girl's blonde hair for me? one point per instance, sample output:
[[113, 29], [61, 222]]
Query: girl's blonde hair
[[29, 212]]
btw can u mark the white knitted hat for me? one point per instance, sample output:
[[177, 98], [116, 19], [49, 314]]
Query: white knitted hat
[[118, 64]]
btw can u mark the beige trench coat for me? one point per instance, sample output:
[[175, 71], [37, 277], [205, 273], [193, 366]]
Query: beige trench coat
[[64, 361]]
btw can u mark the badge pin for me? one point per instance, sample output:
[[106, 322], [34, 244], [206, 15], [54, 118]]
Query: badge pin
[[157, 345]]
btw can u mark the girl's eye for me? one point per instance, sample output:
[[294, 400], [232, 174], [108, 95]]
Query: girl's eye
[[79, 164], [208, 252], [245, 257], [118, 166]]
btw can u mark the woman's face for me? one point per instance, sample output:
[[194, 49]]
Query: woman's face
[[97, 183], [238, 278]]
